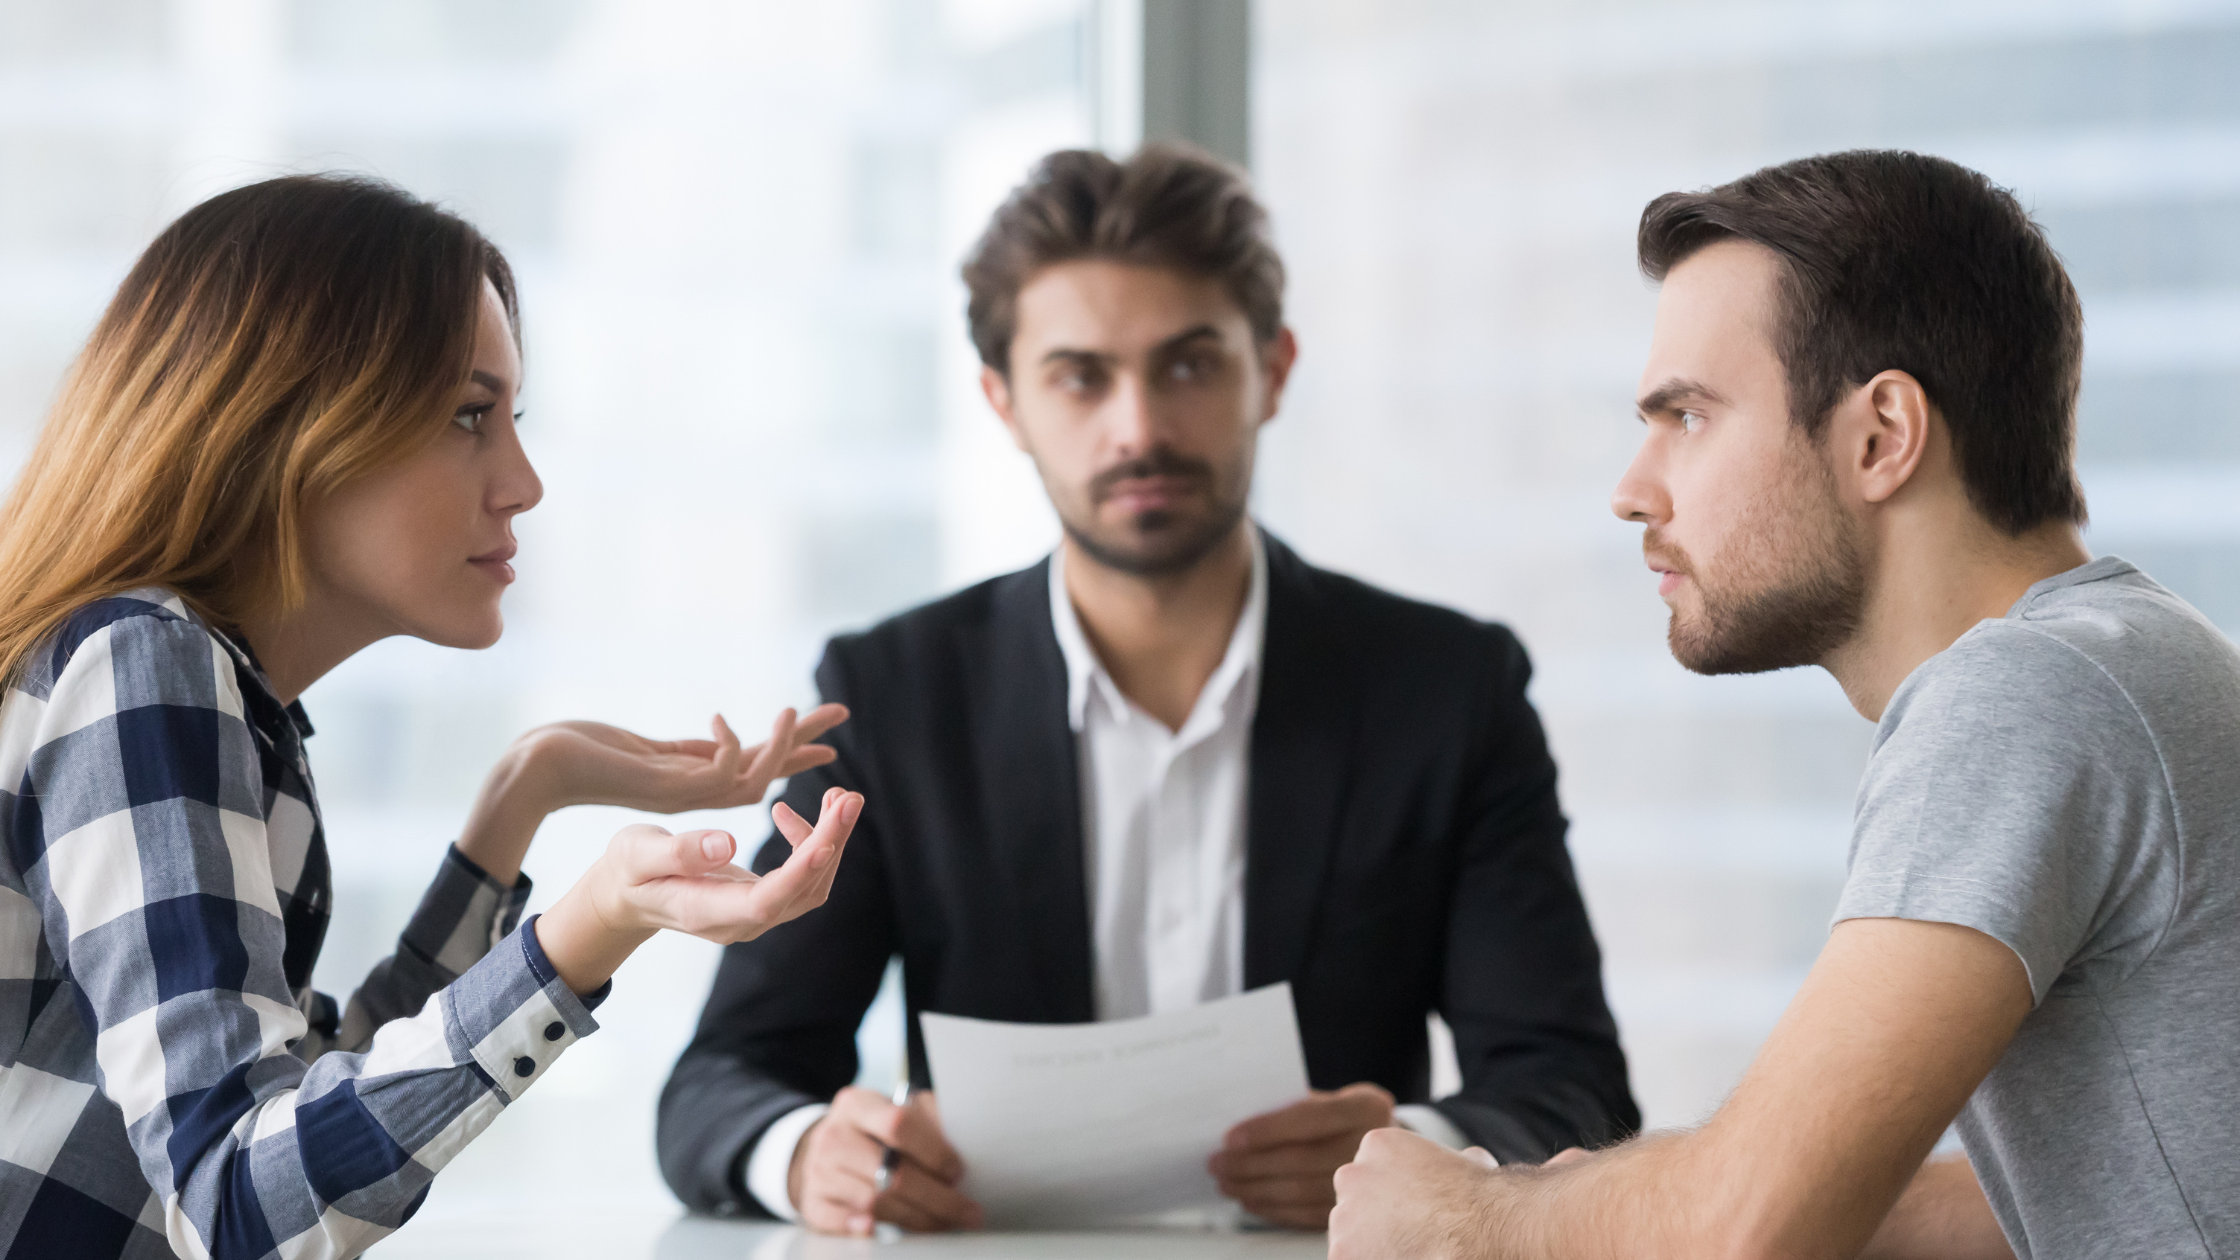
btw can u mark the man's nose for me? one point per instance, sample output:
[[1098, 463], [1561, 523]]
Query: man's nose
[[1640, 495], [1131, 423]]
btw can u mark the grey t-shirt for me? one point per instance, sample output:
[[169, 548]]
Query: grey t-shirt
[[2066, 779]]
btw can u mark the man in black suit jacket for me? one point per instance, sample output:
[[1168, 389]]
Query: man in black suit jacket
[[1372, 762]]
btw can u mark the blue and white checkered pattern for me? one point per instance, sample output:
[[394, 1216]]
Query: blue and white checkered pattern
[[169, 1082]]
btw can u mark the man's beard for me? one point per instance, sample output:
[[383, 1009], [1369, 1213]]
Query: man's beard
[[1798, 596], [1161, 542]]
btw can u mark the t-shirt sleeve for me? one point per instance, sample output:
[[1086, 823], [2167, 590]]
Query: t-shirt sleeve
[[2015, 789]]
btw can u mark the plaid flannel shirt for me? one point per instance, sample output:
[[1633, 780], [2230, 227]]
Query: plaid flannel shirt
[[169, 1081]]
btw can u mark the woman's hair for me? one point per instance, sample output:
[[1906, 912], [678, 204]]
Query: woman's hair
[[277, 342]]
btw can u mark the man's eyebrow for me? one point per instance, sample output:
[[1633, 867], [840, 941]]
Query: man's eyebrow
[[1185, 337], [495, 385], [1065, 355], [1669, 396]]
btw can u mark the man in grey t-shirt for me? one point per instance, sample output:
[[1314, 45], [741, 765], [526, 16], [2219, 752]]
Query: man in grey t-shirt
[[2063, 780], [1859, 409]]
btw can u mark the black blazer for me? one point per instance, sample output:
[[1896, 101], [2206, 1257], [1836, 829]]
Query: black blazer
[[1404, 854]]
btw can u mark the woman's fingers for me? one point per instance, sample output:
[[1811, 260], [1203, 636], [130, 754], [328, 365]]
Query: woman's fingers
[[793, 826], [806, 877], [743, 775], [727, 754], [649, 853], [838, 823], [768, 758], [836, 817], [809, 756], [687, 881], [794, 748], [817, 721]]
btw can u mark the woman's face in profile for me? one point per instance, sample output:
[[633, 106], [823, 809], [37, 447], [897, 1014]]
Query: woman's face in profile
[[423, 547]]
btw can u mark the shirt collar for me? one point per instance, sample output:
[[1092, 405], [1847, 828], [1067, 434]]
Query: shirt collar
[[1085, 673], [257, 687]]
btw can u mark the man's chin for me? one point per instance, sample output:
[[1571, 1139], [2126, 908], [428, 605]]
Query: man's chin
[[1713, 655], [1142, 560], [1152, 545], [1693, 655]]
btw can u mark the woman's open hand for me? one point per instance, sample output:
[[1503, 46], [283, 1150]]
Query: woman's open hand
[[591, 763], [649, 880]]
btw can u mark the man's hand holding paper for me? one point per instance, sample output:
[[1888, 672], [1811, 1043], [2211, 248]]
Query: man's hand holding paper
[[1038, 1107], [1064, 1126], [1279, 1166]]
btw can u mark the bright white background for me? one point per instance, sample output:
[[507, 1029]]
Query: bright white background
[[752, 401]]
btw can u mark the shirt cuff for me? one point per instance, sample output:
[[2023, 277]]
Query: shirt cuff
[[464, 914], [1432, 1123], [770, 1164], [512, 1017], [541, 966]]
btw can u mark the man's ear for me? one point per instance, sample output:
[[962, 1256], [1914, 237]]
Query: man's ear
[[1276, 360], [1885, 427], [997, 387]]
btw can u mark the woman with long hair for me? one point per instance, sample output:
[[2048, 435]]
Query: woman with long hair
[[292, 435]]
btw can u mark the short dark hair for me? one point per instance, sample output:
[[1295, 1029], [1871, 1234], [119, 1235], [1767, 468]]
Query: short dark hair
[[1169, 205], [1901, 261]]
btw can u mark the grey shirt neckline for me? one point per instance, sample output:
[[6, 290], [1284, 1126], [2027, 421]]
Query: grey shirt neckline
[[2098, 569]]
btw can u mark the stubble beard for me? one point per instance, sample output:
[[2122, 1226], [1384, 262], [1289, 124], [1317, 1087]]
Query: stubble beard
[[1161, 542], [1795, 596]]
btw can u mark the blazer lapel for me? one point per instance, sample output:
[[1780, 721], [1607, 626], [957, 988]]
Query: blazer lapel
[[1023, 754], [1302, 737]]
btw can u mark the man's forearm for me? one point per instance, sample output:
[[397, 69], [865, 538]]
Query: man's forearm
[[1626, 1201], [1941, 1216], [1676, 1195], [712, 1109], [1405, 1197]]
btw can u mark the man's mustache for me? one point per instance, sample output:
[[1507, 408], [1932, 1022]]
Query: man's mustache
[[1158, 463], [1664, 555]]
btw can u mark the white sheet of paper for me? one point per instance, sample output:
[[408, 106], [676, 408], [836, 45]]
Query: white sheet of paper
[[1066, 1125]]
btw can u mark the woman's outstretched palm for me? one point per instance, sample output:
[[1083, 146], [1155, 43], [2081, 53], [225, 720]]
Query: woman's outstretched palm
[[596, 764]]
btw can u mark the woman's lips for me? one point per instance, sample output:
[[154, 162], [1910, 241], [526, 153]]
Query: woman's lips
[[495, 563]]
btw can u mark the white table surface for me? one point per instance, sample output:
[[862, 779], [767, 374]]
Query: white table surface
[[675, 1236]]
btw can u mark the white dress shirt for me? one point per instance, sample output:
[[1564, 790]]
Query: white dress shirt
[[1163, 829], [1163, 817]]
